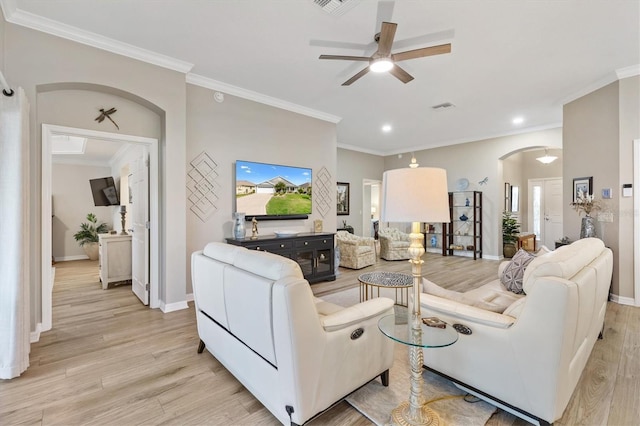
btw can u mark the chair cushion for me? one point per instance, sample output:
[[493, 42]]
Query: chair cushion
[[513, 274]]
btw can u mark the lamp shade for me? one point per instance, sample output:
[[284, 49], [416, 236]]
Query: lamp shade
[[415, 195]]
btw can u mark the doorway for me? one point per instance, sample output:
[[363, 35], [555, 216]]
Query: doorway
[[48, 132], [370, 206], [545, 210]]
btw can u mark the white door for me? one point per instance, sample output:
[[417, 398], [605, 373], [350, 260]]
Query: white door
[[139, 183], [545, 210]]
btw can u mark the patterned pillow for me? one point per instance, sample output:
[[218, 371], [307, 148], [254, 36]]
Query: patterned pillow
[[513, 273]]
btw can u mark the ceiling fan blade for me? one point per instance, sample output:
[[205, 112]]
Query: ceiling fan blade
[[346, 58], [419, 53], [400, 74], [384, 14], [356, 77], [387, 34]]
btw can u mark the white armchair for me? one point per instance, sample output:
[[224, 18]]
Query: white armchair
[[295, 353], [355, 252], [394, 244], [526, 352]]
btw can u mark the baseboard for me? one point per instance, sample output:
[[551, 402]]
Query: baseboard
[[622, 300], [492, 257], [67, 258], [189, 297], [35, 335], [176, 306]]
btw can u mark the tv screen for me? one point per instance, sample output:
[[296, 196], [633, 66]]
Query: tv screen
[[104, 192], [271, 191]]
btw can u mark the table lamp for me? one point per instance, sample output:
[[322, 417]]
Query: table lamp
[[415, 195], [123, 214]]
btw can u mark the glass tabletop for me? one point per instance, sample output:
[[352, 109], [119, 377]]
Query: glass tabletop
[[397, 327]]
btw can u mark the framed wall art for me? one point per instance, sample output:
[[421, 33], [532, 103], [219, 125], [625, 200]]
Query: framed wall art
[[343, 198], [584, 185]]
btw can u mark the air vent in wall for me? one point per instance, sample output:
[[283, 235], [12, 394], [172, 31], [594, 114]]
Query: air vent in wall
[[444, 105], [336, 7]]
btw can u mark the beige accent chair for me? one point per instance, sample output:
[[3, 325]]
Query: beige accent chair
[[394, 244], [355, 252], [525, 352]]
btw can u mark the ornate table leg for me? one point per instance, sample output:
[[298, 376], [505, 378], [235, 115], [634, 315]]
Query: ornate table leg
[[413, 412]]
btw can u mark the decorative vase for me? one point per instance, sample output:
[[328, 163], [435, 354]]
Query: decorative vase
[[434, 241], [91, 250], [238, 227], [588, 228], [509, 250]]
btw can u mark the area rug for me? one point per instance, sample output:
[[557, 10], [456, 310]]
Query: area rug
[[376, 402]]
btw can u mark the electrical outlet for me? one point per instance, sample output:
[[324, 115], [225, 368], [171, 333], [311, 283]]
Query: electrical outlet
[[605, 217]]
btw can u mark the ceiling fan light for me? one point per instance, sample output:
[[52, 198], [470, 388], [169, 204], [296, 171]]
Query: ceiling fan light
[[381, 65]]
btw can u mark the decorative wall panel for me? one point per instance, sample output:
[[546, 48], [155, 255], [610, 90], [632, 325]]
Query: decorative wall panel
[[324, 192], [202, 185]]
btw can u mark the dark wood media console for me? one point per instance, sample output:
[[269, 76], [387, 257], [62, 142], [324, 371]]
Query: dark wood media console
[[314, 252]]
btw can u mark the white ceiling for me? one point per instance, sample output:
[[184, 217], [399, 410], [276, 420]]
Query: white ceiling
[[509, 57], [96, 153]]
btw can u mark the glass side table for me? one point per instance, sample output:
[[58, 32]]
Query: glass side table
[[409, 329]]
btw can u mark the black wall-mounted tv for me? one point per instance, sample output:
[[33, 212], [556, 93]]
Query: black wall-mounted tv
[[272, 191], [104, 192]]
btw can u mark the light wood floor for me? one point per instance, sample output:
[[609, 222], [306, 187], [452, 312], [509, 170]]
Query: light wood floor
[[110, 360]]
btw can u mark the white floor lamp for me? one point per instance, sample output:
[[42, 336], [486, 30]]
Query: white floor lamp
[[417, 194]]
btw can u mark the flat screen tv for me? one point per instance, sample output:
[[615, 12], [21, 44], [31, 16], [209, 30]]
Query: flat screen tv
[[104, 191], [272, 191]]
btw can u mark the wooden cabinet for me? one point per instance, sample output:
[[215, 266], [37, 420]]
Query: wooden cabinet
[[463, 235], [314, 252], [114, 259]]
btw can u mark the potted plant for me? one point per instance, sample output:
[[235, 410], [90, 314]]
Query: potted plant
[[510, 231], [87, 236]]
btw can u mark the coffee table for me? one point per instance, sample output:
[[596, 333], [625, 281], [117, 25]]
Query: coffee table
[[409, 330], [372, 282]]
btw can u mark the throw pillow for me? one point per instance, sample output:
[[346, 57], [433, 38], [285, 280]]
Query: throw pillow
[[512, 275]]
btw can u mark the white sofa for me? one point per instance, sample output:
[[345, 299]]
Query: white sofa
[[295, 353], [529, 358], [394, 244]]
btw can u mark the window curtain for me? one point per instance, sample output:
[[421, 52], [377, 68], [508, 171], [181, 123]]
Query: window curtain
[[14, 235]]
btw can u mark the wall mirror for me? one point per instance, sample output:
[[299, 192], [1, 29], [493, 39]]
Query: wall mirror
[[515, 198]]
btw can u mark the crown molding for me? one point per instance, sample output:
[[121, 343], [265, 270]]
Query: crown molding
[[627, 72], [26, 19], [451, 142], [611, 77], [209, 83]]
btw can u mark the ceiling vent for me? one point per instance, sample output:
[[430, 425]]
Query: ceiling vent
[[444, 105], [336, 7]]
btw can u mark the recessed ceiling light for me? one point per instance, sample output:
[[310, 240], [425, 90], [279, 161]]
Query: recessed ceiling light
[[518, 120], [386, 128]]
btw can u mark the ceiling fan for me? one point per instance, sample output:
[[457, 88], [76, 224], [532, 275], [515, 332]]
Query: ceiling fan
[[383, 60]]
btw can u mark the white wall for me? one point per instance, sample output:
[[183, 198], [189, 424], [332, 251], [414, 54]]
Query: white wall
[[36, 61], [475, 161], [72, 201], [355, 167], [599, 129], [238, 129]]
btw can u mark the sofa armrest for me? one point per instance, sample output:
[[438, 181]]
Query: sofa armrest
[[347, 242], [472, 314], [357, 313]]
